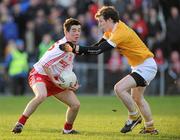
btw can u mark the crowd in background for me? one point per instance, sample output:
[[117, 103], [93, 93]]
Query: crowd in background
[[32, 26]]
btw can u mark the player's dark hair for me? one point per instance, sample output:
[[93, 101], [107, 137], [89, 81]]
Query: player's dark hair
[[108, 12], [69, 23]]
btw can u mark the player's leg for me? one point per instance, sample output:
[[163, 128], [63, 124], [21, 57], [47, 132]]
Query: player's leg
[[40, 92], [70, 99], [121, 90], [138, 96]]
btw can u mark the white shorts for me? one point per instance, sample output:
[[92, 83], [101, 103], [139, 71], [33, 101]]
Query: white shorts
[[147, 69]]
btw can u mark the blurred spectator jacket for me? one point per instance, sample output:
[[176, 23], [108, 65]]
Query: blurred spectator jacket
[[16, 62]]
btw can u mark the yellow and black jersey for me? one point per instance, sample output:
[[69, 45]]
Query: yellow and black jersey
[[126, 41]]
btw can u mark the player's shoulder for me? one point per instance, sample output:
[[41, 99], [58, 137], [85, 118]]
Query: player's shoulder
[[56, 46], [121, 27], [60, 41], [121, 30]]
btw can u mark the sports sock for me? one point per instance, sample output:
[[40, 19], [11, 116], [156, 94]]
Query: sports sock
[[149, 125], [68, 126], [23, 119], [133, 115], [149, 128]]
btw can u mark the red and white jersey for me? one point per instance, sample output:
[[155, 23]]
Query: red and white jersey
[[56, 59]]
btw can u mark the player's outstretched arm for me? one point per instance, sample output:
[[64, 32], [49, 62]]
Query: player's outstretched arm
[[99, 42], [93, 50]]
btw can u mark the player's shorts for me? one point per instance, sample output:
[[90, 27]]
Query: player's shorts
[[35, 77], [147, 70]]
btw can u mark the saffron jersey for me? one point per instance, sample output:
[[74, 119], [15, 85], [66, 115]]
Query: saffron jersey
[[56, 59], [126, 41]]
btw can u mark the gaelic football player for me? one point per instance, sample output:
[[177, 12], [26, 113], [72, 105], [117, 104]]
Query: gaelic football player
[[117, 35], [44, 83]]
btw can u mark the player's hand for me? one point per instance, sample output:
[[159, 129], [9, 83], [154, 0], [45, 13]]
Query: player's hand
[[66, 47], [57, 83], [69, 47], [75, 48], [74, 87]]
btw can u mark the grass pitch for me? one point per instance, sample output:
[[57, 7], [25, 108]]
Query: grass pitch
[[100, 118]]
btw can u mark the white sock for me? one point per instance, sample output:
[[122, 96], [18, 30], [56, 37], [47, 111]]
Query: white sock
[[133, 113], [67, 131], [149, 124]]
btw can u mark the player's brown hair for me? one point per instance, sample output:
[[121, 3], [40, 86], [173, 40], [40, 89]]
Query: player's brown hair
[[69, 23], [108, 12]]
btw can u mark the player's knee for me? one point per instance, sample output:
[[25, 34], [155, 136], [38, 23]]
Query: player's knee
[[40, 97], [118, 90], [75, 106]]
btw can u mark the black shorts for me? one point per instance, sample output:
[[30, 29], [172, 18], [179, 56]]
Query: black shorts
[[140, 81]]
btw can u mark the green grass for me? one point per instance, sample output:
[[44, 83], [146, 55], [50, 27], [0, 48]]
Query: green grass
[[95, 121]]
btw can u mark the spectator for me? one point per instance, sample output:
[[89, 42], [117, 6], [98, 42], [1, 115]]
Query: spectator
[[89, 21], [2, 44], [117, 68], [162, 65], [48, 5], [2, 80], [83, 21], [19, 13], [115, 62], [72, 11], [45, 45], [92, 10], [41, 26], [137, 3], [30, 40], [9, 29], [158, 42], [82, 5], [16, 64], [57, 31], [55, 14], [34, 6], [120, 5], [173, 29], [154, 26], [140, 26], [174, 72], [175, 63]]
